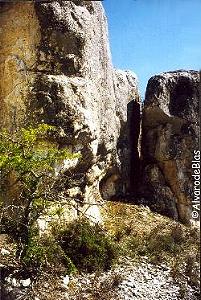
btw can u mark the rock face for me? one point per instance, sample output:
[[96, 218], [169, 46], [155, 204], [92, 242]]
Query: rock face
[[56, 68], [170, 135]]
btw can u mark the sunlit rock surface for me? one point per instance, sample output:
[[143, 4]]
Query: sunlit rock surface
[[56, 68], [170, 135]]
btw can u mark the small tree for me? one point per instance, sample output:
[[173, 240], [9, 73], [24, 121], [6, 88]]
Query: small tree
[[27, 161]]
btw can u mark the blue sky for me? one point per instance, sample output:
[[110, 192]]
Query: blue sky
[[152, 36]]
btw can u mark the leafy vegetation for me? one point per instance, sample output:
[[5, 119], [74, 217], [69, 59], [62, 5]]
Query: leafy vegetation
[[27, 174], [29, 185], [27, 161], [88, 246], [27, 178], [45, 252], [77, 246]]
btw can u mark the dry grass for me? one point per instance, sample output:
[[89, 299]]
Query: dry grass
[[138, 232], [141, 232]]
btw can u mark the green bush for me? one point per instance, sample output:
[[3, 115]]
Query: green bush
[[27, 175], [28, 188], [77, 246], [88, 246], [44, 252]]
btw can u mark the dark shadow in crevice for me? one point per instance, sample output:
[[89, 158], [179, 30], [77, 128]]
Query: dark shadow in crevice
[[127, 148], [122, 180], [134, 119]]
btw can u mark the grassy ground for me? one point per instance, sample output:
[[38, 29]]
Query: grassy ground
[[140, 235], [140, 232]]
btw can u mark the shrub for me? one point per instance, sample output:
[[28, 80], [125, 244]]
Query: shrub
[[27, 177], [44, 252], [88, 246]]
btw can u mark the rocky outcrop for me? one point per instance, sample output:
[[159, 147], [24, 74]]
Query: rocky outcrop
[[56, 68], [170, 135]]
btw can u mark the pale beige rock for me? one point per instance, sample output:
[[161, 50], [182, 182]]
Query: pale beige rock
[[64, 77], [170, 136], [19, 37]]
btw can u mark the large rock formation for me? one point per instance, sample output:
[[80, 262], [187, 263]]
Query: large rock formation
[[170, 135], [56, 68]]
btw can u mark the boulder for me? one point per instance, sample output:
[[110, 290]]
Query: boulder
[[170, 135]]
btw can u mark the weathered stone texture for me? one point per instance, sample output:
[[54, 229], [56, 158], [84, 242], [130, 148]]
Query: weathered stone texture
[[19, 38], [56, 68], [169, 137]]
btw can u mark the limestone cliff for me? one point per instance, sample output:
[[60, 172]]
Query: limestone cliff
[[56, 68], [170, 134]]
